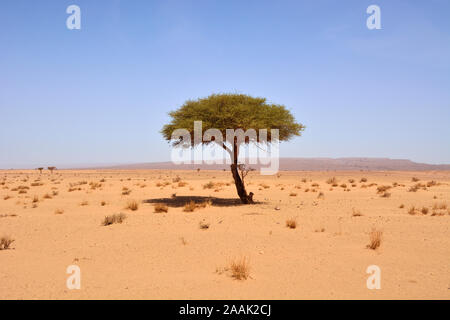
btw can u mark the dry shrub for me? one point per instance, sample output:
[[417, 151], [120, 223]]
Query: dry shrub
[[240, 269], [84, 203], [103, 203], [356, 213], [35, 199], [291, 223], [304, 180], [36, 184], [321, 195], [417, 186], [414, 179], [383, 189], [203, 225], [332, 181], [292, 194], [375, 239], [385, 195], [343, 185], [47, 196], [431, 183], [412, 210], [59, 211], [363, 180], [402, 206], [190, 207], [125, 191], [5, 242], [177, 179], [160, 207], [132, 205], [182, 184], [95, 185], [424, 210], [209, 185], [6, 197], [351, 180], [115, 218]]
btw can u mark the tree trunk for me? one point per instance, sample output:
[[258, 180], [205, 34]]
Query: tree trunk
[[240, 187]]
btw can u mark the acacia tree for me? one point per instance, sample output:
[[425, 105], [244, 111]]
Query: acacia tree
[[232, 111], [40, 170], [51, 169]]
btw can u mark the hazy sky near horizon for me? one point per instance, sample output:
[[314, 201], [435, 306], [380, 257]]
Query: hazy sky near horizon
[[101, 94]]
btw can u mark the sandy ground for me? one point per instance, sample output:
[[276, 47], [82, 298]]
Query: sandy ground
[[168, 256]]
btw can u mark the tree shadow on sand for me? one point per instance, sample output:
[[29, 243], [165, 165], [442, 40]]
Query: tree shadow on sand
[[180, 201]]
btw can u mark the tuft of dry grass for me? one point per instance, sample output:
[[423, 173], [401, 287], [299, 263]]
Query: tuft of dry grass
[[240, 268], [412, 210], [115, 218], [203, 225], [160, 207], [5, 242], [291, 223], [356, 213], [84, 203], [209, 185], [132, 205], [375, 239], [332, 181], [35, 199], [190, 206], [321, 195], [383, 189]]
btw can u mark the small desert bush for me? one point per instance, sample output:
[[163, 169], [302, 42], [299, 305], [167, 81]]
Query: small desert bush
[[431, 183], [363, 180], [190, 206], [424, 210], [115, 218], [132, 205], [160, 207], [383, 189], [59, 211], [292, 194], [412, 210], [291, 223], [385, 195], [414, 179], [203, 225], [6, 197], [209, 185], [375, 239], [240, 269], [356, 213], [84, 203], [103, 203], [332, 181], [35, 199], [351, 180], [47, 196], [182, 184], [321, 195], [177, 179], [5, 242], [125, 191]]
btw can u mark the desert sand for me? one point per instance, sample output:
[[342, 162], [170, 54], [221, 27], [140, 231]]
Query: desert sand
[[56, 220]]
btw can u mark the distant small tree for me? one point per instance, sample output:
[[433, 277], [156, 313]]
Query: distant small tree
[[51, 169], [40, 170], [232, 111]]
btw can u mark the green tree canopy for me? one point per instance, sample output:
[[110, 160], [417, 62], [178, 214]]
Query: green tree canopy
[[232, 111]]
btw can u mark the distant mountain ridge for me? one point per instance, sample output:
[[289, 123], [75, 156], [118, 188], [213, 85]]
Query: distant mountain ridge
[[305, 164]]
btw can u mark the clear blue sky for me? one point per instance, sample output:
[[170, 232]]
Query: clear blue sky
[[101, 94]]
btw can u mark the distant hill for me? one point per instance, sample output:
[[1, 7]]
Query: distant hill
[[305, 164]]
